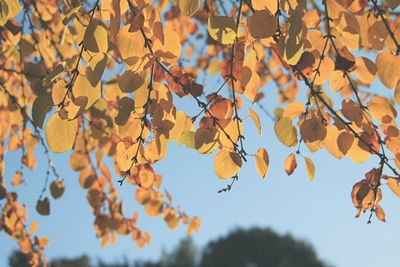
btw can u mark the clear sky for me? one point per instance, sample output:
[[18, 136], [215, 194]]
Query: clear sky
[[320, 211]]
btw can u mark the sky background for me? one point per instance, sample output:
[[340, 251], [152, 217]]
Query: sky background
[[320, 211]]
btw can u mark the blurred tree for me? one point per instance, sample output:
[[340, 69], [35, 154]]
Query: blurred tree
[[18, 259], [254, 247], [259, 248], [184, 255], [81, 261]]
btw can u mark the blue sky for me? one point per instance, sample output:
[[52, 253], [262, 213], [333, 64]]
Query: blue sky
[[320, 211]]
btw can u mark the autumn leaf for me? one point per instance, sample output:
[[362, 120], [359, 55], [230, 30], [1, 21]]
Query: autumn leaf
[[262, 162]]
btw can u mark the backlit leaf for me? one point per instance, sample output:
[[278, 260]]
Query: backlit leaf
[[286, 132], [310, 168], [222, 29], [227, 164], [254, 116], [290, 164], [189, 7], [262, 162], [60, 134]]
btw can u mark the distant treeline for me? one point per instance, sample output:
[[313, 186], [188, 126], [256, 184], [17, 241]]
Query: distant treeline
[[254, 247]]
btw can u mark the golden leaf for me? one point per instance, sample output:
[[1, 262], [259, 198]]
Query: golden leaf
[[60, 134], [290, 164], [189, 7], [227, 164], [310, 168], [286, 132], [262, 162], [222, 29]]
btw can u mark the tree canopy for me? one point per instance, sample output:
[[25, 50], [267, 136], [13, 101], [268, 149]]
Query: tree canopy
[[103, 81]]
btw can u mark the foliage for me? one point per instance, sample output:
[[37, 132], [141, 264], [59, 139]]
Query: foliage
[[259, 247], [250, 247], [103, 80]]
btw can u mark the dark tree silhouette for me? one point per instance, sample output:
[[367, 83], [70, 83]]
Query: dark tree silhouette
[[81, 261], [259, 248], [18, 259]]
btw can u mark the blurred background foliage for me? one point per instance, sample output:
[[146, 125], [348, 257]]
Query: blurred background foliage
[[254, 247]]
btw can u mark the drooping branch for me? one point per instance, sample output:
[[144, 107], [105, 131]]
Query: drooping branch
[[382, 156]]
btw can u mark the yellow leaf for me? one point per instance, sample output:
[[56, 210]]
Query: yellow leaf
[[331, 141], [96, 37], [262, 162], [170, 50], [58, 92], [85, 93], [326, 69], [187, 138], [194, 225], [8, 9], [286, 132], [397, 93], [388, 68], [183, 124], [71, 14], [130, 45], [293, 110], [394, 186], [310, 168], [222, 29], [96, 68], [271, 5], [33, 228], [189, 7], [380, 214], [356, 153], [254, 116], [60, 134], [381, 109], [366, 70], [291, 45], [227, 164], [104, 241], [290, 164], [131, 81], [17, 179], [206, 140], [146, 176]]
